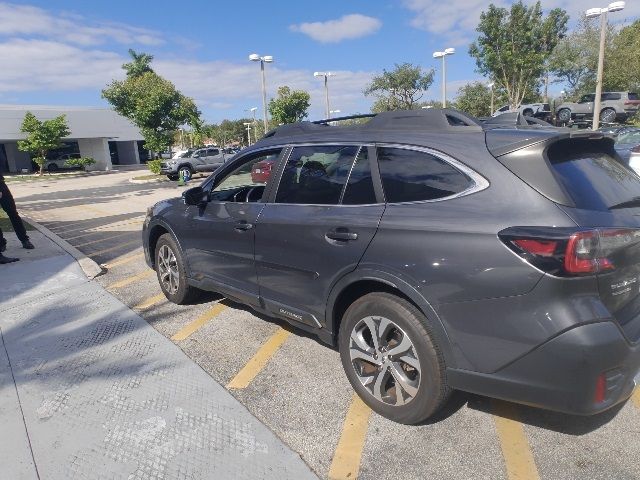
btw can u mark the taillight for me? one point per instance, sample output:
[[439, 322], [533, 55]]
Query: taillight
[[566, 252]]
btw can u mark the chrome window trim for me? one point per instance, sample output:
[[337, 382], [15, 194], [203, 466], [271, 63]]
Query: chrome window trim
[[479, 183]]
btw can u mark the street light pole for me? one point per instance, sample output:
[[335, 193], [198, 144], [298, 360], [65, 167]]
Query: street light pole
[[326, 75], [443, 54], [491, 84], [602, 13], [254, 57], [248, 125]]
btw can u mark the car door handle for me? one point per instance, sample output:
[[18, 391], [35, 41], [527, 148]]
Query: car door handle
[[341, 234], [243, 225]]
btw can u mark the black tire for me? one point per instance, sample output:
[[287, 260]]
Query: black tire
[[185, 171], [563, 115], [527, 112], [608, 115], [183, 293], [52, 167], [432, 391]]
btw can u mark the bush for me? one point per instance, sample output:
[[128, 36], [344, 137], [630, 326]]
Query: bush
[[83, 162], [154, 166]]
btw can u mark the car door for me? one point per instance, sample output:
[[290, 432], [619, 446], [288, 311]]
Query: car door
[[219, 243], [321, 220]]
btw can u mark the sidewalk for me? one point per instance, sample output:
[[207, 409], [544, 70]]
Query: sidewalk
[[89, 390]]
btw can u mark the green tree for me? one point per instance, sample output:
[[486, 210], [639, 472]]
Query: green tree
[[514, 45], [140, 63], [475, 99], [622, 63], [152, 103], [290, 106], [42, 136], [400, 88]]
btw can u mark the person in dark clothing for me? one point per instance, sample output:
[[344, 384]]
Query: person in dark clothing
[[8, 204]]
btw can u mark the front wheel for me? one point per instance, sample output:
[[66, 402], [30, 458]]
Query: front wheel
[[171, 272], [608, 115], [52, 167], [564, 115], [185, 173], [391, 358]]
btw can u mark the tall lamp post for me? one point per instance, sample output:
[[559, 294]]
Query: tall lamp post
[[254, 57], [491, 85], [602, 13], [447, 51], [248, 125], [326, 76]]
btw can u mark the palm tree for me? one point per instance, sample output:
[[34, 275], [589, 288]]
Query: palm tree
[[139, 65]]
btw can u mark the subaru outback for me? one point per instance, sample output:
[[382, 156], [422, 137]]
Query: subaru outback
[[435, 253]]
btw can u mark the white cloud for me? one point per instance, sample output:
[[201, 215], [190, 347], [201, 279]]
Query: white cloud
[[344, 28], [25, 20], [221, 89], [456, 20]]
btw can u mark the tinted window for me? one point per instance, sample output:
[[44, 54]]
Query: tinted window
[[633, 96], [213, 151], [359, 189], [316, 175], [610, 96], [410, 175], [587, 98], [593, 180], [632, 137]]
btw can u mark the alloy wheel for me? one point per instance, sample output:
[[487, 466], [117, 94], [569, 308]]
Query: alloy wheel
[[385, 360], [168, 269]]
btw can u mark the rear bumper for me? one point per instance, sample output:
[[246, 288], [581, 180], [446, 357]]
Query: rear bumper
[[562, 374]]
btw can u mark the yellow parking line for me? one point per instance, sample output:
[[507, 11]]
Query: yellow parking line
[[346, 459], [636, 397], [516, 451], [150, 302], [259, 360], [55, 228], [131, 279], [198, 323], [124, 260], [115, 247], [102, 239]]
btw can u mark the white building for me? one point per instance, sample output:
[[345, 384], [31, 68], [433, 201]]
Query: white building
[[99, 133]]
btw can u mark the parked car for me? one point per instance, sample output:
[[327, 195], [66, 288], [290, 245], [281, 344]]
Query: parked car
[[59, 163], [436, 253], [626, 141], [634, 159], [614, 106], [541, 111], [201, 160]]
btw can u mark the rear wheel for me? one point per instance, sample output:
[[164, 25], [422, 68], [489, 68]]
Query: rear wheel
[[172, 275], [527, 112], [391, 358], [564, 115], [608, 115]]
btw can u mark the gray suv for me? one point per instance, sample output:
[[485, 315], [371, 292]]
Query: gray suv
[[614, 106], [434, 252], [201, 160]]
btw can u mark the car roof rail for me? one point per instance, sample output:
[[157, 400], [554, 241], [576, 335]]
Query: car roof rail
[[427, 119]]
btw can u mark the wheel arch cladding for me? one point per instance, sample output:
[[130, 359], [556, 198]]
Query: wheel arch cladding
[[156, 232], [348, 290]]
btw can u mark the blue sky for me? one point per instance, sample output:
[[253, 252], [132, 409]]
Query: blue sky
[[59, 52]]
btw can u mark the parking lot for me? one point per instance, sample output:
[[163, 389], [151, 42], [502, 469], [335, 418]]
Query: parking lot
[[296, 386]]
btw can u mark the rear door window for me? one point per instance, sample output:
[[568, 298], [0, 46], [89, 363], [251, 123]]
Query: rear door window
[[316, 175], [633, 96], [413, 175], [359, 190], [594, 180]]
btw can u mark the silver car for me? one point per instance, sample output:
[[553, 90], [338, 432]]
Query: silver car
[[202, 160], [614, 106]]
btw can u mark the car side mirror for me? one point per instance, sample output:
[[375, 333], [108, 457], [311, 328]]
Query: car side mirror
[[194, 196]]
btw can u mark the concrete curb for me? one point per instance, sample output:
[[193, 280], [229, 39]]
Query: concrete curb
[[90, 268], [151, 180]]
